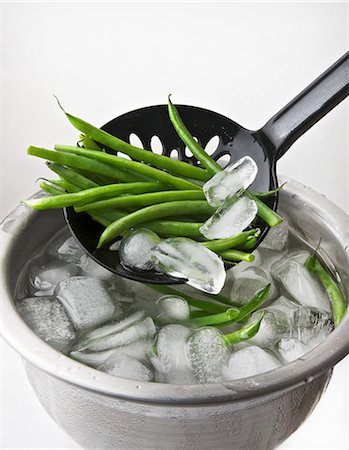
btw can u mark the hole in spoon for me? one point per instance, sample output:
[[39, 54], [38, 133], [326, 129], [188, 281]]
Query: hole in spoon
[[212, 145], [224, 160], [188, 152], [174, 153], [135, 140], [156, 145]]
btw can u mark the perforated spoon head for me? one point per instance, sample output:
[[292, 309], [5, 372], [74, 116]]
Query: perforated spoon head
[[224, 139]]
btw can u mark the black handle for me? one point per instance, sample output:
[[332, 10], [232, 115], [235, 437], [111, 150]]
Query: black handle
[[308, 107]]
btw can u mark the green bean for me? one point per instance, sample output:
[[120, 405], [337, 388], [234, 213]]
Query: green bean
[[219, 245], [57, 183], [264, 212], [80, 162], [168, 228], [190, 142], [236, 255], [245, 311], [248, 245], [164, 162], [133, 166], [215, 319], [66, 186], [244, 333], [72, 176], [198, 313], [143, 200], [336, 297], [262, 195], [149, 213], [165, 228], [49, 188], [87, 142], [89, 195], [259, 298], [194, 302]]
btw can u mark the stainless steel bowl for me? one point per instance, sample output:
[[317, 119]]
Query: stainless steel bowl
[[105, 412]]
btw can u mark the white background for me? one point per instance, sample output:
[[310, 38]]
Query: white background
[[244, 60]]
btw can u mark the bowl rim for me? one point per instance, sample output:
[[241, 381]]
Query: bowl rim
[[318, 361]]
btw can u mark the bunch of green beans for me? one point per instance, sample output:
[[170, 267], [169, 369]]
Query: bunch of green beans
[[152, 191]]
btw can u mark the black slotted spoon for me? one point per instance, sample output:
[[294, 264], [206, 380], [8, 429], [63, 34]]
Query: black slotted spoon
[[265, 146]]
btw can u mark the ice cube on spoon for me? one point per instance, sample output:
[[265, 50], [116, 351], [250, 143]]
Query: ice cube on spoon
[[135, 249], [231, 218], [234, 177], [185, 258]]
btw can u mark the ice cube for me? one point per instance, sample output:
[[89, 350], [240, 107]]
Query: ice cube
[[109, 329], [234, 177], [277, 237], [248, 362], [126, 367], [172, 309], [185, 258], [48, 319], [247, 282], [144, 329], [88, 301], [45, 275], [278, 322], [64, 246], [231, 218], [135, 249], [311, 325], [138, 350], [299, 283], [290, 349], [91, 268], [172, 359], [207, 353]]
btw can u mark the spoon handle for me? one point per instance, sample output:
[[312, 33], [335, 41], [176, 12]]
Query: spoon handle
[[313, 103]]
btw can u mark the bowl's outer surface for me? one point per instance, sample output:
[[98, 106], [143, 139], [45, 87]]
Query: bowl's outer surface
[[101, 411]]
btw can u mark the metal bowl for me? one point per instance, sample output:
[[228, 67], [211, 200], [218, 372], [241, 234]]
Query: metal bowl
[[106, 412]]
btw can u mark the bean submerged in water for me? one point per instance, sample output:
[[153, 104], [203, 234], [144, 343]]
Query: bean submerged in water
[[245, 333], [336, 297]]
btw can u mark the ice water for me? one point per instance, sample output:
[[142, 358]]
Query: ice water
[[130, 330]]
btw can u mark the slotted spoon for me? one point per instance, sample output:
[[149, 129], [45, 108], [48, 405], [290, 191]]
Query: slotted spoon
[[265, 146]]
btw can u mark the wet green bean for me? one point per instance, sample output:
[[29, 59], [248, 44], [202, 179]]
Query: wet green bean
[[134, 166], [264, 212], [215, 319], [236, 255], [143, 200], [178, 208], [243, 334], [72, 176], [49, 188], [210, 307], [81, 162], [88, 195], [190, 142], [336, 297], [87, 142], [219, 245], [164, 162]]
